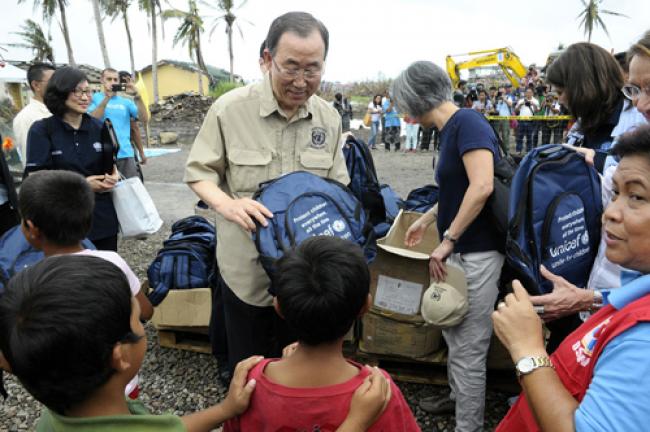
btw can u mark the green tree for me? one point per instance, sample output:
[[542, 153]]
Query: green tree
[[49, 10], [592, 17], [34, 39], [119, 8], [225, 10], [189, 33], [153, 9]]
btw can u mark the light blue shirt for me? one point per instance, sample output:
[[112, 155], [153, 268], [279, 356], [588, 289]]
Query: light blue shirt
[[391, 118], [120, 110], [618, 397], [502, 106]]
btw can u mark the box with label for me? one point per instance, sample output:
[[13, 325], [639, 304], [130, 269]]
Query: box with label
[[183, 308], [383, 335], [399, 275]]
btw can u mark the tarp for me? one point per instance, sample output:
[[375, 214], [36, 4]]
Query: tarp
[[11, 74]]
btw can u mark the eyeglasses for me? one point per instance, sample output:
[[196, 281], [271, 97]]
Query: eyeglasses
[[292, 73], [87, 92], [632, 91]]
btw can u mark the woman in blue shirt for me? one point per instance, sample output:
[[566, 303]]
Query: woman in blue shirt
[[71, 140], [465, 175]]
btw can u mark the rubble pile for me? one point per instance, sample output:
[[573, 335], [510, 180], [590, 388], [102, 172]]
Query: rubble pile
[[181, 106]]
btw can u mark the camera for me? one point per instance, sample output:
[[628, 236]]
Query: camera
[[527, 103], [118, 87]]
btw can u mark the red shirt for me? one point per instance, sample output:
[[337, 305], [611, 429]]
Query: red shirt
[[277, 408]]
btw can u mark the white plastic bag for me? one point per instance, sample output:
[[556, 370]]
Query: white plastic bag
[[135, 209]]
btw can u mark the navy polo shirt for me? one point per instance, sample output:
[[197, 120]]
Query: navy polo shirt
[[53, 144], [465, 131]]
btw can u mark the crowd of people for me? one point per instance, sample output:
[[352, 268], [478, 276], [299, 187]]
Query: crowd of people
[[82, 309]]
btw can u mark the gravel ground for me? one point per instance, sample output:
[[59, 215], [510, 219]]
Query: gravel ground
[[182, 382]]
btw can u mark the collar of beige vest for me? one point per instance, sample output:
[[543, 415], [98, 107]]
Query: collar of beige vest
[[269, 104]]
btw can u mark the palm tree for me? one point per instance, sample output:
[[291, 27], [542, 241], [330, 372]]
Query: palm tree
[[49, 9], [115, 8], [153, 9], [591, 17], [34, 39], [225, 8], [189, 32], [100, 32]]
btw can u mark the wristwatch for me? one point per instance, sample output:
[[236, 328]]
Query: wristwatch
[[447, 236], [526, 365]]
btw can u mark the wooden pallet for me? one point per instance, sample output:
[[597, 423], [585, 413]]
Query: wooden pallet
[[185, 338]]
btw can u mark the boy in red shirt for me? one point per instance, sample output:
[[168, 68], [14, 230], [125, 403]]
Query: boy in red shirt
[[322, 287]]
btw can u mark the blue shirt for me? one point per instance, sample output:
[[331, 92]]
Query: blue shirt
[[55, 145], [502, 106], [465, 131], [618, 396], [120, 110], [391, 119]]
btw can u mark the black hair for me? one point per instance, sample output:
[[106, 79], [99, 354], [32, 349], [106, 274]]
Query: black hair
[[59, 203], [35, 72], [301, 23], [59, 322], [338, 97], [375, 97], [63, 82], [262, 47], [322, 286], [122, 74], [634, 143]]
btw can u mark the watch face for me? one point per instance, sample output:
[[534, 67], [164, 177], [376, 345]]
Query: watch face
[[525, 365]]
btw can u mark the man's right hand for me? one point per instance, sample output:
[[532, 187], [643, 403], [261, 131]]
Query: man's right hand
[[101, 183], [242, 211]]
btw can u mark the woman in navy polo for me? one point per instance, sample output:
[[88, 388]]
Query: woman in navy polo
[[71, 140], [465, 175]]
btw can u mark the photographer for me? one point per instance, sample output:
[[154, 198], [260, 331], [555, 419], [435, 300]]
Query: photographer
[[551, 108], [526, 107], [120, 110], [503, 107]]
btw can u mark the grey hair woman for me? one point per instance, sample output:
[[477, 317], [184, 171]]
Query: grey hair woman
[[464, 172]]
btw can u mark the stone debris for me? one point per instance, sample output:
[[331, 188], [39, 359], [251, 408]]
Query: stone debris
[[181, 106]]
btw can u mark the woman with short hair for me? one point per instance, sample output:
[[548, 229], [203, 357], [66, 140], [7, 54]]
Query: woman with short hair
[[465, 175], [72, 140]]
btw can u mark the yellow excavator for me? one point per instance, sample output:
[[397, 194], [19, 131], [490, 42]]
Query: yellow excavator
[[507, 60]]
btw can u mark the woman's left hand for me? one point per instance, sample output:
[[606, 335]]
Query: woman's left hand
[[437, 267], [517, 325]]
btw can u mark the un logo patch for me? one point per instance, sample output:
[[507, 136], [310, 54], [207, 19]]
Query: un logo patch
[[318, 136]]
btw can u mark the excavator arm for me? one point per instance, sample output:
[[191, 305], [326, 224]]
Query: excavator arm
[[507, 60]]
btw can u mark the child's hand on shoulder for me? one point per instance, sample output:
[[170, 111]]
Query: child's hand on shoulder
[[240, 391]]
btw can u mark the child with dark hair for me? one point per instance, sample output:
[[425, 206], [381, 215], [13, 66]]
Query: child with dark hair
[[322, 288], [57, 210], [70, 332]]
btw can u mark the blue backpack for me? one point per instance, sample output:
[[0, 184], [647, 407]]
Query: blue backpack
[[186, 260], [554, 218], [364, 182], [393, 204], [306, 205], [421, 199], [17, 254]]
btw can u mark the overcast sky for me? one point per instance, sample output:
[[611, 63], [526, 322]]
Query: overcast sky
[[367, 38]]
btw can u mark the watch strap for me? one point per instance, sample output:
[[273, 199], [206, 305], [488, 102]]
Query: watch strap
[[538, 362]]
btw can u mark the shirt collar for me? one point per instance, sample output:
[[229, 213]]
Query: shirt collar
[[86, 120], [269, 104], [634, 285]]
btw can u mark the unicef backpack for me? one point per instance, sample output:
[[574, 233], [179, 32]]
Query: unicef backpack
[[554, 217], [306, 205], [186, 259], [364, 183]]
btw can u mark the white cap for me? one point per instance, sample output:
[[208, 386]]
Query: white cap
[[445, 304]]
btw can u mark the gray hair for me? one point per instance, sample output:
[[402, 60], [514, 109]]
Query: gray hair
[[420, 88], [301, 23]]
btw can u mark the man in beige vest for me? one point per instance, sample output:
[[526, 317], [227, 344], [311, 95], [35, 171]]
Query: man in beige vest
[[250, 135]]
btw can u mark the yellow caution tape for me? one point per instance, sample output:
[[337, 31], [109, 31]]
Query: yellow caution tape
[[526, 118]]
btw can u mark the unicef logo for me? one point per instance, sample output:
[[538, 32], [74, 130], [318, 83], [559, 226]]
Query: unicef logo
[[584, 238], [338, 225]]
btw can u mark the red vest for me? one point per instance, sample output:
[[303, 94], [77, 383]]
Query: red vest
[[575, 358]]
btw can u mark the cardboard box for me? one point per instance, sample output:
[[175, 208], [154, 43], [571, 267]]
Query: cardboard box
[[382, 335], [184, 308], [400, 275]]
